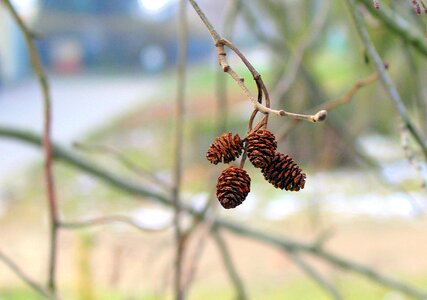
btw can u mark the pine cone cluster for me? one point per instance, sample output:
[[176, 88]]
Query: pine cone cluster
[[225, 148], [233, 187], [234, 183]]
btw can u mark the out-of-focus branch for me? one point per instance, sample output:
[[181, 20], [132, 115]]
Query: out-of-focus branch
[[398, 25], [385, 78], [123, 160], [50, 184], [332, 104], [348, 96], [312, 34], [280, 242], [105, 220], [200, 246], [229, 266], [24, 277], [178, 151], [316, 276]]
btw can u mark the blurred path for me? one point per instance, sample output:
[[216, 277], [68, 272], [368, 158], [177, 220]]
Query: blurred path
[[79, 105]]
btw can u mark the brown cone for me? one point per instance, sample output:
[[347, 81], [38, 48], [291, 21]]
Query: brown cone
[[233, 186], [284, 173], [261, 148], [225, 149]]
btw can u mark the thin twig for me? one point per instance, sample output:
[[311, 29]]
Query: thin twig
[[398, 25], [179, 137], [220, 44], [332, 104], [385, 78], [280, 242], [316, 276], [105, 220], [50, 185], [348, 96], [200, 247], [25, 278], [313, 33], [229, 266]]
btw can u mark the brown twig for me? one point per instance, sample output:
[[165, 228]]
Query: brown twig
[[220, 44], [50, 185], [179, 136], [334, 103], [25, 278], [347, 97]]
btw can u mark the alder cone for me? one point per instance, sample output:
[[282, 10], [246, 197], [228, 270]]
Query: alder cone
[[262, 146], [233, 186], [225, 148], [284, 173]]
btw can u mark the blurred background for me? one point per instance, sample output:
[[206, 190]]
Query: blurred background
[[112, 70]]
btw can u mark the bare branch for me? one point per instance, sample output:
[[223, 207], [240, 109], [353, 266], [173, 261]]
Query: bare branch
[[316, 276], [398, 25], [313, 33], [229, 265], [50, 184], [179, 137], [332, 104], [200, 246], [25, 278], [385, 78]]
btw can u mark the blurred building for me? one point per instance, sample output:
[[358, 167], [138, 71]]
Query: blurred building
[[13, 58], [111, 34], [98, 35]]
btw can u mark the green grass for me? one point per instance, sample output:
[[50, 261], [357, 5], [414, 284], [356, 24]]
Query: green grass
[[351, 288]]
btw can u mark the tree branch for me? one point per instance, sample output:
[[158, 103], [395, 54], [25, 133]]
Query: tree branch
[[25, 278], [229, 266], [385, 78], [398, 25], [178, 151], [317, 277], [50, 184], [220, 44]]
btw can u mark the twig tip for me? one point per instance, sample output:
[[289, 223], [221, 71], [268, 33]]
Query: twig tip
[[320, 116]]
